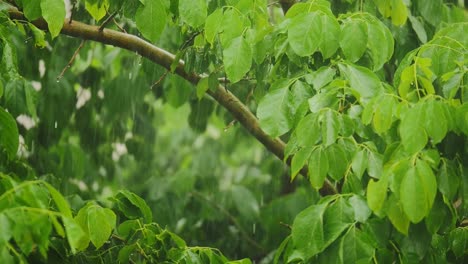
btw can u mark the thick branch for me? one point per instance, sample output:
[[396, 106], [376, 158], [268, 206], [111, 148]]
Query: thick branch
[[165, 59]]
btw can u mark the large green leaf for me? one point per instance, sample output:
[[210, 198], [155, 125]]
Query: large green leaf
[[151, 19], [299, 160], [330, 36], [213, 24], [76, 237], [9, 137], [274, 112], [31, 9], [337, 161], [133, 206], [377, 193], [237, 58], [380, 43], [362, 80], [100, 223], [330, 122], [193, 12], [436, 123], [355, 247], [397, 215], [417, 191], [383, 115], [353, 39], [53, 12], [318, 167], [308, 131], [307, 230], [305, 33], [412, 133]]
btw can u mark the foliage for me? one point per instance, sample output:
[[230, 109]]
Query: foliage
[[370, 96]]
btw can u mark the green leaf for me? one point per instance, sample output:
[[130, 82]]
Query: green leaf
[[151, 19], [337, 161], [9, 137], [338, 216], [213, 24], [59, 200], [202, 87], [448, 181], [353, 39], [307, 230], [237, 58], [321, 77], [380, 43], [233, 24], [274, 112], [193, 12], [363, 81], [361, 210], [330, 126], [330, 36], [318, 167], [322, 100], [459, 241], [308, 131], [39, 36], [397, 216], [436, 124], [418, 28], [53, 12], [412, 133], [76, 237], [305, 33], [376, 194], [100, 222], [7, 229], [417, 191], [355, 247], [299, 160], [97, 9], [359, 163], [31, 9], [399, 12], [383, 116], [133, 206]]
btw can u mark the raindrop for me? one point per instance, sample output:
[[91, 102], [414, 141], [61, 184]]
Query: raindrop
[[55, 124], [58, 80], [26, 41]]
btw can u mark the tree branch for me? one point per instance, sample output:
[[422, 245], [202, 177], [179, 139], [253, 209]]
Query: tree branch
[[165, 59]]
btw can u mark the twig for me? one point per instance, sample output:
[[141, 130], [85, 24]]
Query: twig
[[160, 79], [71, 12], [286, 225], [108, 19], [118, 26], [71, 60], [230, 125]]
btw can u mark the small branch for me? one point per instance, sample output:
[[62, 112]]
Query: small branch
[[71, 60], [71, 12], [108, 19], [160, 79], [118, 26]]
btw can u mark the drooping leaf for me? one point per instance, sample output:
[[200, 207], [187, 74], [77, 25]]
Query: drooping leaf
[[53, 12], [237, 58], [151, 19], [76, 237], [307, 230], [213, 24], [330, 126], [436, 123], [412, 133], [353, 39], [397, 215], [308, 131], [321, 77], [376, 194], [318, 167], [274, 112], [337, 161], [399, 12], [305, 33], [97, 9], [361, 210], [417, 191], [380, 43], [299, 160], [363, 81], [193, 12], [9, 137], [355, 248], [101, 222], [330, 36], [133, 206]]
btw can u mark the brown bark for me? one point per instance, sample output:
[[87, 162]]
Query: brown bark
[[165, 59]]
